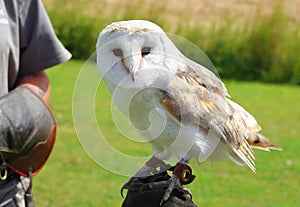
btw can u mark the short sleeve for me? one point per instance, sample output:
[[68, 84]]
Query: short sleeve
[[39, 46]]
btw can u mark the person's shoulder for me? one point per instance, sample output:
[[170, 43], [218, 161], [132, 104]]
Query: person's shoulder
[[28, 4]]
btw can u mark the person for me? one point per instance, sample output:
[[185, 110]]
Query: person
[[28, 46]]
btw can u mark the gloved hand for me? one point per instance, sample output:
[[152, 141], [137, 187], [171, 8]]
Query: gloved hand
[[149, 191]]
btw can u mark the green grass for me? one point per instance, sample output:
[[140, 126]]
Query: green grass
[[71, 178], [263, 47]]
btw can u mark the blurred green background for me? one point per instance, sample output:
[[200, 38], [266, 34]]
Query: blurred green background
[[254, 46], [245, 39]]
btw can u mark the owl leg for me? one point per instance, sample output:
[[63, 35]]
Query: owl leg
[[182, 175], [152, 166]]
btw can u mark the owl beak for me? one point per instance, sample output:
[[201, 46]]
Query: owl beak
[[132, 65]]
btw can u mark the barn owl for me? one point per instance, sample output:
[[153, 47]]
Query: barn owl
[[177, 105]]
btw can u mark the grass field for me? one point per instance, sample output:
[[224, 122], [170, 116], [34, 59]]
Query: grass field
[[246, 39], [71, 178]]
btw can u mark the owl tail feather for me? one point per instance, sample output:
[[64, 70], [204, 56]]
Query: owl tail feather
[[258, 141]]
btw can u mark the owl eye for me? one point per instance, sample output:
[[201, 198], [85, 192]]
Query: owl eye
[[118, 52], [145, 51]]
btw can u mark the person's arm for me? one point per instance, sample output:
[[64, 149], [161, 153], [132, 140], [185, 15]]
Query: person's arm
[[37, 83], [27, 127]]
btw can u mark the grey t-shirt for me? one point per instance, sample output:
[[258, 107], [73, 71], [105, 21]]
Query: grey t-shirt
[[28, 43]]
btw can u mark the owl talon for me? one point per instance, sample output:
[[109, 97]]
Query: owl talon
[[125, 186], [187, 191], [174, 183], [182, 175]]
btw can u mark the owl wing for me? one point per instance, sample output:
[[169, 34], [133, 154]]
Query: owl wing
[[196, 96]]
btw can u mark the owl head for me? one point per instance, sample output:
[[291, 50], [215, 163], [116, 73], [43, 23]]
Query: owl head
[[135, 54]]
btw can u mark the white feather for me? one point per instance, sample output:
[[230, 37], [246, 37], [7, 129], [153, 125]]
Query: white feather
[[179, 106]]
